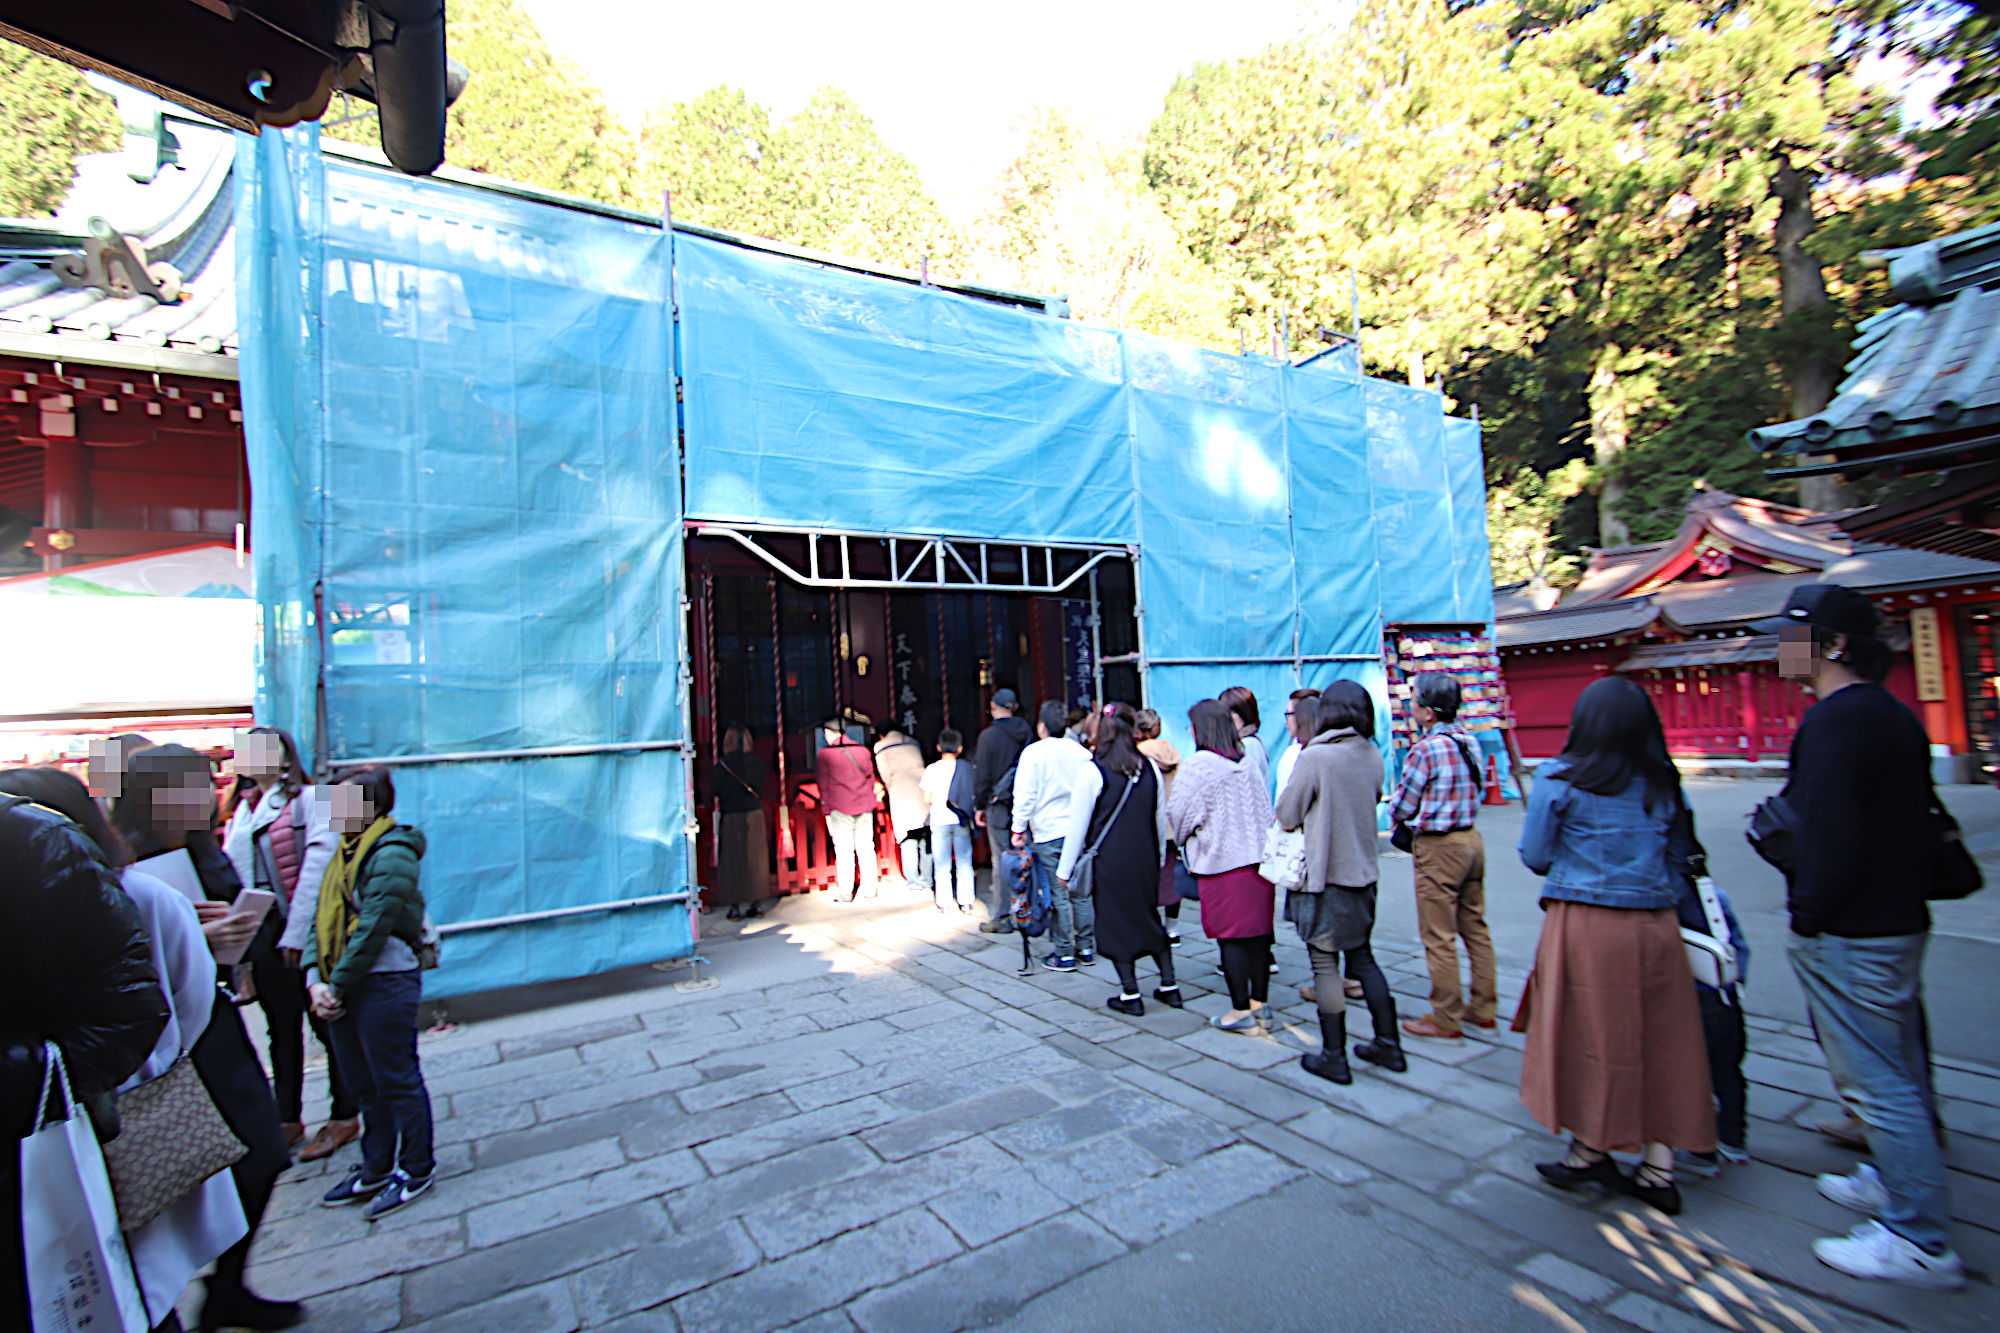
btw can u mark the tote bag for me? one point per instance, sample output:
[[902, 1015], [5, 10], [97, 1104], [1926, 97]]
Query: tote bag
[[80, 1277]]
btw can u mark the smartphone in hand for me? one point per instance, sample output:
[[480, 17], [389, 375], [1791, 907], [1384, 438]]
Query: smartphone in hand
[[256, 903]]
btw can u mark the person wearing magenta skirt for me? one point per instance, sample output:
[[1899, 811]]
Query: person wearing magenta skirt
[[1218, 812]]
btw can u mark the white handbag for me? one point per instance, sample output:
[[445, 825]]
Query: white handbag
[[1284, 863], [79, 1273], [1711, 956]]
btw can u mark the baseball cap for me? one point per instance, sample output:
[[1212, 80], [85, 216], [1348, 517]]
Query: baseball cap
[[1006, 698], [1831, 606]]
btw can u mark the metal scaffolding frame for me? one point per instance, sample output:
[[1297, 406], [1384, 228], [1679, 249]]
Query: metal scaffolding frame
[[919, 563]]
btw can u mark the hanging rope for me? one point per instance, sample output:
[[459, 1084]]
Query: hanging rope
[[714, 838], [785, 850]]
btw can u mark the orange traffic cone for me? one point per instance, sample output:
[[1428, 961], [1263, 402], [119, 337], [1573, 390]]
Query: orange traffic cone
[[1494, 796]]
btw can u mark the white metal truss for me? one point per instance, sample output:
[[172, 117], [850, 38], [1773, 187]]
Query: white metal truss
[[917, 563]]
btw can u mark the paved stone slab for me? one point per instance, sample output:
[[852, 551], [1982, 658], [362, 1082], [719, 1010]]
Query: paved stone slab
[[1245, 1051], [1091, 1170], [1257, 1094], [1173, 1090], [955, 1085], [586, 1096], [325, 1268], [820, 1278], [1066, 1126], [811, 1216], [788, 1133], [1304, 1152], [372, 1307], [1572, 1280], [979, 1288], [739, 1191], [961, 1120], [543, 1309], [1381, 1149], [877, 1078], [1457, 1130], [757, 1078], [529, 1213], [519, 1048], [494, 1072], [996, 1204], [653, 1274], [663, 1128], [1167, 1202], [482, 1274]]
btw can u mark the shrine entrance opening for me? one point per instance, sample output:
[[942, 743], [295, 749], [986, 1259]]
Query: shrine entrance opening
[[915, 633]]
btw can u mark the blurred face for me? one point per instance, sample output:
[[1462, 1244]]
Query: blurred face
[[105, 771], [1798, 656], [1292, 719], [351, 810], [1426, 717], [186, 805], [259, 756]]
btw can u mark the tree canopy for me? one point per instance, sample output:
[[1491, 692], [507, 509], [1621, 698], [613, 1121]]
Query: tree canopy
[[49, 117]]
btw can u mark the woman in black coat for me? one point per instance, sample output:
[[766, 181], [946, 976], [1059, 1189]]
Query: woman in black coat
[[1116, 807], [168, 803], [75, 969]]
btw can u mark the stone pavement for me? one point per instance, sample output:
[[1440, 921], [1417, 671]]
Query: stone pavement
[[872, 1122]]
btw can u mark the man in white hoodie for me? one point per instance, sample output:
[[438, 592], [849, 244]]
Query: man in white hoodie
[[1049, 769]]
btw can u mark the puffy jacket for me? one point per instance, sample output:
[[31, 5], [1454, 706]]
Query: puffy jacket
[[391, 905], [76, 966], [1608, 851]]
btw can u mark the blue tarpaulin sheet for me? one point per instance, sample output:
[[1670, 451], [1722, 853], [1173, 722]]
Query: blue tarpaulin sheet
[[460, 409]]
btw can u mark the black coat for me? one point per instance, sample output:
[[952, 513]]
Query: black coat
[[998, 751], [76, 968], [1860, 783]]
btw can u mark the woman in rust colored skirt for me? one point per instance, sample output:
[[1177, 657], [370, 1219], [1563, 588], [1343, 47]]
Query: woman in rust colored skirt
[[1615, 1054]]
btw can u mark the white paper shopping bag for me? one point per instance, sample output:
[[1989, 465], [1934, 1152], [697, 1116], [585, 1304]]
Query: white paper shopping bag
[[80, 1278]]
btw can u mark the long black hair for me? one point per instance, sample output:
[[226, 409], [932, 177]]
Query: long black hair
[[1215, 729], [1116, 744], [1615, 740], [66, 795]]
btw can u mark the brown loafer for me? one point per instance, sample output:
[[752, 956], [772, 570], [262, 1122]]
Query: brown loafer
[[1428, 1027], [332, 1136], [295, 1133]]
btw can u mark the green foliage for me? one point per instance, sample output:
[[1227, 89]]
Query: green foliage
[[824, 179], [1072, 216], [1522, 513], [49, 117], [527, 114]]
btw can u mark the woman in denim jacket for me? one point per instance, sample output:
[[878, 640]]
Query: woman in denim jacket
[[1615, 1052]]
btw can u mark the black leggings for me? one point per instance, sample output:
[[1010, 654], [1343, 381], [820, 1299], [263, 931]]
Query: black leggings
[[1128, 971], [235, 1082], [281, 991], [1246, 966], [1332, 995]]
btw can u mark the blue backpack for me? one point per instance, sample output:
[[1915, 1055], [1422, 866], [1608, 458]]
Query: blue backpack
[[1028, 892]]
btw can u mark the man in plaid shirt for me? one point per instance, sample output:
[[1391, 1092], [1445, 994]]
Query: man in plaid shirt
[[1438, 797]]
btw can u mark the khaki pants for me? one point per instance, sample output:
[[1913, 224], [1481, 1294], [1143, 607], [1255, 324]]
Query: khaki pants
[[1451, 905]]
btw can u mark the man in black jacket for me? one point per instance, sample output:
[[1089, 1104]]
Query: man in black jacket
[[993, 764], [1860, 787], [76, 968]]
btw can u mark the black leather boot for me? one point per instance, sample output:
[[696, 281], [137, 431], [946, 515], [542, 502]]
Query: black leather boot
[[1331, 1062]]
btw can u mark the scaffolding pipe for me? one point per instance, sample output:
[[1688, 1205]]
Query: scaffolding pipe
[[487, 756], [556, 913]]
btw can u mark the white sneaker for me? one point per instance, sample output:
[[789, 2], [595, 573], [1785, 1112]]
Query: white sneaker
[[1862, 1191], [1871, 1250]]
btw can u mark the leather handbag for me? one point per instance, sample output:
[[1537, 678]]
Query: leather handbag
[[171, 1139]]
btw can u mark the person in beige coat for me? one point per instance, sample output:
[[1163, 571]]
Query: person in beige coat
[[1332, 795]]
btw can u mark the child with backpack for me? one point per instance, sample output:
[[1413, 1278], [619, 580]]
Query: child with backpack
[[1721, 1008], [947, 788]]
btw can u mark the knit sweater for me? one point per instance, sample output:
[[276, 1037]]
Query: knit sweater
[[1332, 794], [1218, 813]]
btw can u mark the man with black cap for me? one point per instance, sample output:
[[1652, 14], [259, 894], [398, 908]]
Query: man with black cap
[[1860, 789], [993, 764]]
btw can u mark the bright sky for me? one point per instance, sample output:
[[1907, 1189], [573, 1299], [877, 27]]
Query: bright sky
[[949, 86]]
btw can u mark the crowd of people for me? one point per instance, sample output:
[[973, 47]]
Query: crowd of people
[[1627, 1047], [141, 918]]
